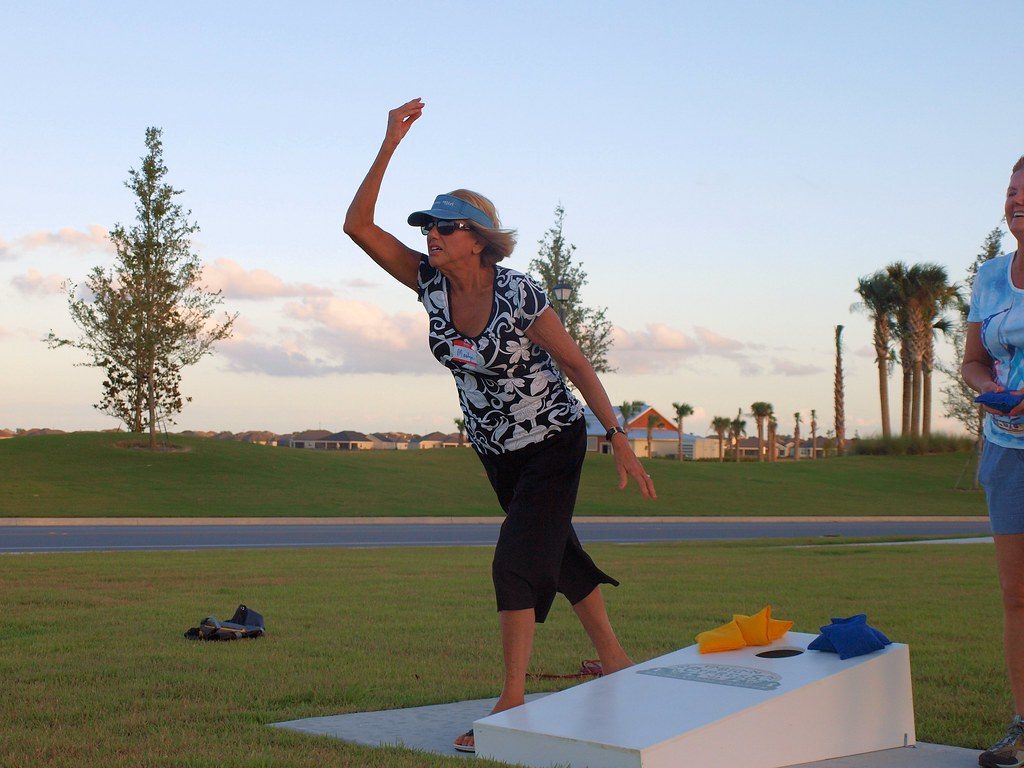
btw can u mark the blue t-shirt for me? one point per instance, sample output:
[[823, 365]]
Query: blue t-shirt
[[999, 307], [509, 389]]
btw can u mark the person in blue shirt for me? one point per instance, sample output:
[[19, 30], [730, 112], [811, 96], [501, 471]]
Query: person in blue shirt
[[994, 362], [493, 328]]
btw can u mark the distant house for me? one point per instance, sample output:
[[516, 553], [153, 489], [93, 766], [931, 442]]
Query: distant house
[[389, 441], [748, 447], [345, 440], [819, 447], [305, 439], [6, 434], [664, 436], [433, 440]]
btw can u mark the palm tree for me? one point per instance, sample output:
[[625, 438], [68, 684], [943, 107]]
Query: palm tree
[[721, 425], [773, 427], [461, 425], [903, 327], [629, 409], [814, 434], [924, 292], [738, 428], [652, 422], [879, 297], [936, 296], [682, 411], [760, 411], [796, 436], [838, 395], [945, 327]]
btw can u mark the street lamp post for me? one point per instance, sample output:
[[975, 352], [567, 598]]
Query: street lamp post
[[563, 292]]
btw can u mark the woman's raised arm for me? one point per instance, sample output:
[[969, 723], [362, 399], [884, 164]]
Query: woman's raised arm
[[398, 260]]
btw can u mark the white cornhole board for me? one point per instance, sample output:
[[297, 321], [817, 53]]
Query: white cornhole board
[[732, 708]]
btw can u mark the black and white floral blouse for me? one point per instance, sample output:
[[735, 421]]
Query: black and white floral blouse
[[509, 389]]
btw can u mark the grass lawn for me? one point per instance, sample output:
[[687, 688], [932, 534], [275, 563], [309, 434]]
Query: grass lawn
[[96, 673], [85, 475]]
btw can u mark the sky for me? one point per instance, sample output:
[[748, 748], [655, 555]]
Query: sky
[[727, 174]]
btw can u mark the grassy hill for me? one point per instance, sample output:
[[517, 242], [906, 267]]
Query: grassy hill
[[86, 474]]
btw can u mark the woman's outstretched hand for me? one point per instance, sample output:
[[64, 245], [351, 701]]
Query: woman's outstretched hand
[[400, 120], [628, 465]]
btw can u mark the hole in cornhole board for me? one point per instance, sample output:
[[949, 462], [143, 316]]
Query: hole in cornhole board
[[779, 653]]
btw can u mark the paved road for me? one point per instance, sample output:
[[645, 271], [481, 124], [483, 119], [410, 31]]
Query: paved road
[[85, 538]]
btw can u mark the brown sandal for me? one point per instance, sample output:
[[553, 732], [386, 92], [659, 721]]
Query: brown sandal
[[588, 668], [465, 747]]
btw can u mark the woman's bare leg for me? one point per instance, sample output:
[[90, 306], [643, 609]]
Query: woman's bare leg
[[517, 645], [594, 618], [1010, 559]]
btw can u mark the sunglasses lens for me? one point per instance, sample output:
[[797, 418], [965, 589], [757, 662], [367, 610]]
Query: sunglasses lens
[[444, 227]]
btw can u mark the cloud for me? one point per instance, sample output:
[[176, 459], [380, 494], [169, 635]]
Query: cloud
[[661, 348], [91, 240], [237, 283], [365, 337], [658, 348], [6, 333], [866, 350], [34, 283], [713, 342], [358, 282], [335, 336], [787, 368], [657, 337], [273, 359]]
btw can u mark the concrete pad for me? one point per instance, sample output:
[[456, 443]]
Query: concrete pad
[[429, 729], [433, 728]]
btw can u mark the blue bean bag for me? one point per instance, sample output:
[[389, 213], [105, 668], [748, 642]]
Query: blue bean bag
[[849, 637], [1000, 401]]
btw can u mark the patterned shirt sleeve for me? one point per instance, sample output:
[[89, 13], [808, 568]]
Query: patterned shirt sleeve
[[532, 301]]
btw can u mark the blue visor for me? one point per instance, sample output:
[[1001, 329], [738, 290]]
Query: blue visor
[[446, 207]]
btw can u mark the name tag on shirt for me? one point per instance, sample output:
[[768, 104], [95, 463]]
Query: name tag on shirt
[[464, 352]]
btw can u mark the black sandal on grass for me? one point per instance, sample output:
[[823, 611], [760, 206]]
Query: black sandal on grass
[[465, 747]]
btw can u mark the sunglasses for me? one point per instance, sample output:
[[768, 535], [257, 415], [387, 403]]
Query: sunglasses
[[444, 226]]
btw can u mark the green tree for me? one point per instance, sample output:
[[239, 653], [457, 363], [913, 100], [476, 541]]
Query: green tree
[[958, 398], [555, 264], [148, 316], [773, 428], [460, 424], [721, 425], [682, 411], [760, 411], [796, 436], [879, 299]]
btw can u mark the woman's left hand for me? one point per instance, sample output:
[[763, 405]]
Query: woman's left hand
[[628, 465]]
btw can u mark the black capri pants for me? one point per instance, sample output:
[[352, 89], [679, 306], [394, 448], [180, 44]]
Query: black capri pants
[[538, 552]]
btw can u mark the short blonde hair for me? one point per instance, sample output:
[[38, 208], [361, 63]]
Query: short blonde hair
[[498, 243]]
